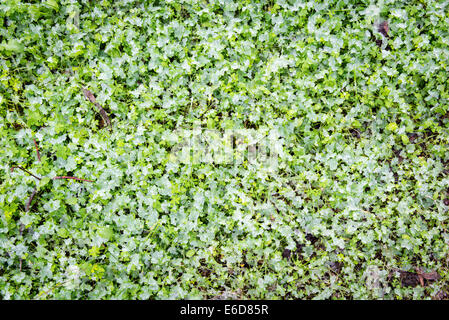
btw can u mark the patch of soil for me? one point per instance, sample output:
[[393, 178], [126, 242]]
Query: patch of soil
[[336, 266], [441, 295], [355, 133], [287, 253], [409, 279], [311, 238]]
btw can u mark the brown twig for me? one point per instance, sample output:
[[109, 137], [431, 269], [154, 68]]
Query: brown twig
[[27, 206], [74, 178], [89, 96], [25, 170], [37, 150]]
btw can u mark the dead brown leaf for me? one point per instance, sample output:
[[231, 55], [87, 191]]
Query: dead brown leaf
[[89, 96], [432, 276], [383, 28], [412, 279]]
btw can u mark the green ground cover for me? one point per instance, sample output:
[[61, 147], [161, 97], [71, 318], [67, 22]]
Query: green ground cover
[[356, 207]]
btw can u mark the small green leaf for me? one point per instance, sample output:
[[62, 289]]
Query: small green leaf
[[63, 233], [105, 233], [13, 45], [52, 4], [392, 126], [356, 124], [72, 201], [44, 181], [405, 139], [94, 251]]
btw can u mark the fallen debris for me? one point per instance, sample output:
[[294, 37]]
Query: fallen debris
[[74, 178], [383, 29], [28, 204], [412, 279], [37, 150], [33, 194], [89, 96]]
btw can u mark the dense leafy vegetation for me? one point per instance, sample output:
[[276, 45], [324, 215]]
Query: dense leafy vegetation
[[357, 205]]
